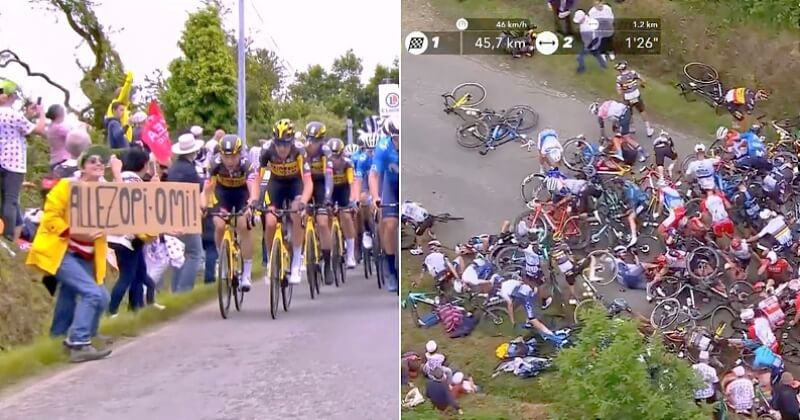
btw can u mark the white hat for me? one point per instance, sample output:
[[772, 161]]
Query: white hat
[[739, 371], [196, 130], [186, 144], [430, 346], [703, 356], [458, 377], [579, 16], [139, 117], [747, 314], [765, 214], [699, 147], [772, 257]]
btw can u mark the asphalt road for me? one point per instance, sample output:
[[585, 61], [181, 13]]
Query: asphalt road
[[485, 190], [331, 358]]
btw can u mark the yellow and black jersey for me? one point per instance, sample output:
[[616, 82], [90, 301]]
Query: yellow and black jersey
[[342, 170], [318, 155], [293, 166], [231, 178]]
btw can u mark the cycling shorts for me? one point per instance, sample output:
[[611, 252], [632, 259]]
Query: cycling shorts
[[390, 194], [663, 151], [231, 198], [420, 228], [527, 300], [318, 196], [281, 193], [341, 195], [673, 220]]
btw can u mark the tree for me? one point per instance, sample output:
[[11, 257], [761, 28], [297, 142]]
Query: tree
[[102, 77], [201, 88], [613, 373]]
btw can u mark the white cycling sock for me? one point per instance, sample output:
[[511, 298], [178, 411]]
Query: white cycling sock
[[351, 247], [247, 268], [296, 261]]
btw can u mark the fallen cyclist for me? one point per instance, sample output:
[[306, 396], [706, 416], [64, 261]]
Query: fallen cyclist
[[517, 292]]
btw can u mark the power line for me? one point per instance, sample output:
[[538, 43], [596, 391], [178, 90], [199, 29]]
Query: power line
[[275, 46]]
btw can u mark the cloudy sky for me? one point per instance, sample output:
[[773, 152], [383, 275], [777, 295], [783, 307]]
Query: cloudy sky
[[146, 33]]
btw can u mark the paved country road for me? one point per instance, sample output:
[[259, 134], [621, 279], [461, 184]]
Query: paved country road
[[331, 358], [485, 190]]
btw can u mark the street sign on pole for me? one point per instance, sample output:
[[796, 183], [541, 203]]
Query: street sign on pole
[[240, 112], [388, 100]]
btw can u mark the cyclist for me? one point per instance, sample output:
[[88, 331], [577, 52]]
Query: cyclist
[[319, 158], [663, 147], [716, 206], [477, 273], [741, 101], [561, 254], [289, 184], [779, 232], [755, 152], [562, 188], [671, 261], [635, 200], [438, 265], [234, 184], [776, 269], [628, 83], [740, 258], [517, 291], [532, 271], [550, 149], [703, 168], [360, 190], [673, 203], [384, 186], [617, 113], [340, 195], [419, 219], [631, 270]]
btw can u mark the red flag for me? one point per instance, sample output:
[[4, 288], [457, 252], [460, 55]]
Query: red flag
[[155, 134]]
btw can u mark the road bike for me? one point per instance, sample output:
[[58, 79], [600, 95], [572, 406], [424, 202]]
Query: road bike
[[279, 263], [338, 249], [230, 264], [510, 126], [311, 252], [544, 219], [380, 254], [464, 97]]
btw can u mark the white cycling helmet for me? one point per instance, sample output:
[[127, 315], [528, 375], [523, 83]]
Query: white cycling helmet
[[391, 127], [772, 257], [351, 148], [699, 147], [594, 108], [369, 140], [722, 132], [547, 132], [619, 249]]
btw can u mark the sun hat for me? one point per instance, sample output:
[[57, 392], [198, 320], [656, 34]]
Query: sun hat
[[430, 346], [187, 144]]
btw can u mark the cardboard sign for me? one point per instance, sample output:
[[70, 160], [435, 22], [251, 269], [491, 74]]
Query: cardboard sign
[[389, 100], [156, 135], [135, 207]]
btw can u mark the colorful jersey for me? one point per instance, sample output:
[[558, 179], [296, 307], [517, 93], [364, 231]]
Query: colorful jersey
[[362, 162], [386, 161], [318, 156], [671, 198], [741, 96], [755, 147], [281, 169], [342, 170], [611, 109], [628, 84], [236, 177], [715, 206]]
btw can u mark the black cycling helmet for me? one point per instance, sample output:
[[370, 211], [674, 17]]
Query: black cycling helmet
[[231, 144], [315, 130], [336, 146], [283, 131]]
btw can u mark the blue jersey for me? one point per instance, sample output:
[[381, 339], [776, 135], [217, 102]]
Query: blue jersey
[[386, 161], [755, 147], [362, 162]]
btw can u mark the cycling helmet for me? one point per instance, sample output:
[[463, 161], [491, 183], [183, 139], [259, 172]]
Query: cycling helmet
[[336, 146], [621, 65], [370, 140], [772, 257], [351, 149], [699, 147], [371, 124], [619, 249], [8, 87], [231, 144], [315, 130], [594, 108], [434, 244], [391, 127], [766, 214], [736, 243], [722, 132], [756, 128], [547, 132], [465, 249], [283, 131]]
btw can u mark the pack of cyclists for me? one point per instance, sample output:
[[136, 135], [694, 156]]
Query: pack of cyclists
[[307, 171]]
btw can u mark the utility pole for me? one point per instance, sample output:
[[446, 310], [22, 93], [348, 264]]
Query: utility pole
[[240, 114]]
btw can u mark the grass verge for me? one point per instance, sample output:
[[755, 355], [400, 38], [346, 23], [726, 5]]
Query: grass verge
[[683, 26], [504, 397], [45, 352]]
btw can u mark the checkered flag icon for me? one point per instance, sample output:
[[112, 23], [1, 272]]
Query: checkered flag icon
[[416, 43]]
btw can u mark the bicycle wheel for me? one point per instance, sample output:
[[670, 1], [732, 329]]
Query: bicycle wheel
[[524, 230], [476, 92], [523, 117], [378, 256], [533, 188], [741, 296], [472, 135], [700, 73], [584, 307], [703, 263], [578, 153], [275, 275], [287, 290], [366, 261], [665, 313], [648, 247], [493, 321], [224, 289], [725, 322], [667, 287], [604, 265], [238, 270], [337, 259], [311, 263]]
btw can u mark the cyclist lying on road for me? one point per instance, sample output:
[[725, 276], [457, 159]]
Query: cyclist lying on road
[[420, 220], [550, 150]]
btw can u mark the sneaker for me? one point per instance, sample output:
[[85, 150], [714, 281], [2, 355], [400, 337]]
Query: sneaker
[[547, 303], [159, 306], [351, 262], [112, 316], [417, 250], [294, 277], [87, 353], [366, 240], [244, 284], [573, 302], [650, 131], [611, 55]]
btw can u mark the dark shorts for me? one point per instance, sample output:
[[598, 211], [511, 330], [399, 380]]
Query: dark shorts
[[231, 199], [420, 228], [390, 195], [737, 111], [341, 195], [281, 193], [318, 197], [624, 123], [664, 151]]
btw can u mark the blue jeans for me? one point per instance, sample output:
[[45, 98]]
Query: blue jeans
[[582, 59], [183, 278], [132, 277], [76, 278], [64, 311], [10, 187]]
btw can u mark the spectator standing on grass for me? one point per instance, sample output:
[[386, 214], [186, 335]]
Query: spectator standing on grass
[[57, 134], [591, 40], [708, 390], [115, 131], [77, 261], [183, 170], [740, 392], [605, 17], [561, 10], [14, 129], [784, 397], [438, 392]]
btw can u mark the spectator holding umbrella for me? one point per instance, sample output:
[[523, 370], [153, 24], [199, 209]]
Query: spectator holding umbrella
[[591, 40]]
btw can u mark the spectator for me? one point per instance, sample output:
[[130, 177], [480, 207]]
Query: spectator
[[77, 261], [115, 132], [138, 119], [708, 391], [605, 17], [183, 170], [591, 40], [438, 391], [77, 141], [461, 385], [130, 248], [739, 393], [561, 10], [57, 134], [784, 398], [434, 359], [14, 129], [201, 160]]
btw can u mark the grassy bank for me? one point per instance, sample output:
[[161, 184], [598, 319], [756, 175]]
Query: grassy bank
[[45, 352], [753, 54]]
